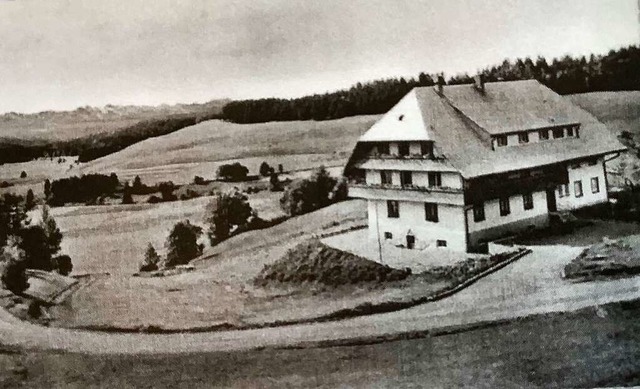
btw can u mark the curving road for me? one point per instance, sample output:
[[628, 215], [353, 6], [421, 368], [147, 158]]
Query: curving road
[[529, 286]]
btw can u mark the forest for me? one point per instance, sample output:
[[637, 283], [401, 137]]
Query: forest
[[617, 70]]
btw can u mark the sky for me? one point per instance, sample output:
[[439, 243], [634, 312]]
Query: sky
[[62, 54]]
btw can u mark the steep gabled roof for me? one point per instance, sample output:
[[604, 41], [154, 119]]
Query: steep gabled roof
[[457, 122]]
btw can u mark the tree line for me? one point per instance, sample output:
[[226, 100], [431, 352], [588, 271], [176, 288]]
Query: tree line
[[617, 70]]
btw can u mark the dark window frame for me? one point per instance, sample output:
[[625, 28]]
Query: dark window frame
[[478, 213], [386, 177], [570, 131], [388, 235], [543, 134], [426, 149], [502, 140], [558, 133], [431, 212], [383, 148], [595, 188], [434, 179], [406, 178], [505, 206], [523, 137], [577, 188], [404, 149], [527, 201], [393, 209], [441, 243]]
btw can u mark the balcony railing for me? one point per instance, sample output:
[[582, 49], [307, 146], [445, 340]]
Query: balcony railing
[[408, 192], [418, 188]]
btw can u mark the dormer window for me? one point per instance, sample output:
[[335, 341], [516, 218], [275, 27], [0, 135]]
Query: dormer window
[[502, 140], [543, 134], [570, 131], [523, 137], [558, 133]]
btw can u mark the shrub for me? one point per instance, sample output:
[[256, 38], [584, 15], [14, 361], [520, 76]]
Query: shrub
[[12, 273], [154, 199], [166, 191], [307, 195], [62, 265], [29, 202], [265, 169], [23, 174], [233, 172], [83, 189], [225, 212], [127, 198], [182, 243], [151, 259], [199, 180], [274, 183]]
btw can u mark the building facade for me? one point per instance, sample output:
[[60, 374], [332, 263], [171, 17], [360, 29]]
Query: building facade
[[457, 166]]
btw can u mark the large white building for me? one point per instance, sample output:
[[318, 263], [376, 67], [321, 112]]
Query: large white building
[[457, 166]]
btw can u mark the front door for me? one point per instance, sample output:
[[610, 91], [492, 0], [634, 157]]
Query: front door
[[551, 200], [411, 241]]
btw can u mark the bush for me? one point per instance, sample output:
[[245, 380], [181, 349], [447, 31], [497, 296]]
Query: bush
[[307, 195], [62, 265], [166, 191], [274, 183], [127, 198], [84, 189], [265, 169], [29, 202], [151, 260], [199, 180], [23, 174], [233, 172], [225, 212], [154, 199], [12, 273], [182, 243]]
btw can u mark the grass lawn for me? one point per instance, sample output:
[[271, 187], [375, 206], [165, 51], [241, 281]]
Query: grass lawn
[[588, 348]]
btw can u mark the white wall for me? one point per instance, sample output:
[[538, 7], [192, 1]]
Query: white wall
[[373, 177], [450, 226], [393, 148], [584, 173], [518, 213]]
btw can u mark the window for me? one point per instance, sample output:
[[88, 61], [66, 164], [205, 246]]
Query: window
[[577, 132], [441, 243], [523, 137], [386, 177], [502, 140], [543, 134], [527, 201], [406, 179], [478, 212], [563, 190], [435, 179], [595, 185], [393, 209], [558, 133], [426, 148], [569, 131], [577, 188], [403, 148], [388, 235], [383, 148], [505, 209], [431, 212]]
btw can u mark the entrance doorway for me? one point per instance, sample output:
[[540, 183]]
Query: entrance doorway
[[551, 200], [411, 241]]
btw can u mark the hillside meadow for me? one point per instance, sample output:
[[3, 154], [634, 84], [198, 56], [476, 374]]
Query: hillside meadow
[[200, 149]]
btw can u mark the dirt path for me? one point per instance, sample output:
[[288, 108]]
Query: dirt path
[[530, 286]]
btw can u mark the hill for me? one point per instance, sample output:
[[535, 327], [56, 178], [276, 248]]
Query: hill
[[199, 149]]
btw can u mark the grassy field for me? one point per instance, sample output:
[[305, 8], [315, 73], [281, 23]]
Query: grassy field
[[199, 149], [215, 293], [588, 348]]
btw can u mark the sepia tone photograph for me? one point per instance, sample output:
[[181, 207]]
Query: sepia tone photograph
[[319, 194]]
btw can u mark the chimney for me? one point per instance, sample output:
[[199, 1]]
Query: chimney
[[440, 83], [479, 82]]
